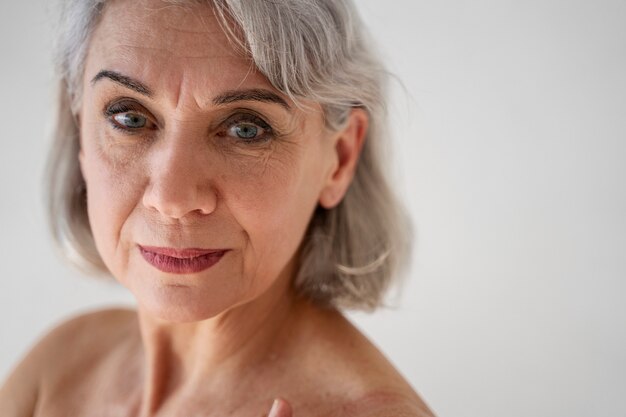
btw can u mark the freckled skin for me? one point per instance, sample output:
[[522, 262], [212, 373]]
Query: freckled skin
[[230, 339]]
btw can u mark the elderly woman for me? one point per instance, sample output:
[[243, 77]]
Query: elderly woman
[[220, 159]]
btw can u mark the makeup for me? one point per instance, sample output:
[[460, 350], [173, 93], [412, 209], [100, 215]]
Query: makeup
[[181, 261]]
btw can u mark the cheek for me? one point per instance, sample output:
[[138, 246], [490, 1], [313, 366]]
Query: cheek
[[113, 191], [273, 207]]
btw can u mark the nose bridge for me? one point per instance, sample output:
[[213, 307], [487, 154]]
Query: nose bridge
[[180, 181], [175, 156]]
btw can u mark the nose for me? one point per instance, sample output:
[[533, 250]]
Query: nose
[[180, 181]]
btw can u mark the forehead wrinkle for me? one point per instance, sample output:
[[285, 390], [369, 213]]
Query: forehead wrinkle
[[151, 30], [204, 96], [163, 49], [208, 31], [171, 49], [179, 98]]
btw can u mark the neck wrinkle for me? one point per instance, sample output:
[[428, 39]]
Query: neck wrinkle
[[216, 352]]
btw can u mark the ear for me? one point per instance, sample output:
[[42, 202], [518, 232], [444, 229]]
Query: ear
[[348, 144]]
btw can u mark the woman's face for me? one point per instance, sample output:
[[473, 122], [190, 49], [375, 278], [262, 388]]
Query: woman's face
[[201, 176]]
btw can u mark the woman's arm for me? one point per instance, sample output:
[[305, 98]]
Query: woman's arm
[[18, 394]]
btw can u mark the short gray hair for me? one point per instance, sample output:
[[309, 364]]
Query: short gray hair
[[313, 49]]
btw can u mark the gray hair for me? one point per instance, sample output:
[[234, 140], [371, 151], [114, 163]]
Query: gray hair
[[313, 49]]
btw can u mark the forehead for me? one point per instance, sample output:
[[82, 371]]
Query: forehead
[[169, 46], [172, 29]]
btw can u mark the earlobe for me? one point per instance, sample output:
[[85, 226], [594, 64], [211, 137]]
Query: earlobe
[[348, 145]]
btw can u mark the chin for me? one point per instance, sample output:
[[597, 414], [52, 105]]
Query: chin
[[180, 305]]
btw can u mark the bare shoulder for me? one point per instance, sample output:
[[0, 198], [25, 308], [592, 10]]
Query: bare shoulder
[[94, 328], [346, 361], [397, 399], [61, 348], [92, 331], [90, 326], [383, 403], [88, 338]]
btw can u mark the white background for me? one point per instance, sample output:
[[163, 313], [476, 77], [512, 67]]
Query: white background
[[510, 141]]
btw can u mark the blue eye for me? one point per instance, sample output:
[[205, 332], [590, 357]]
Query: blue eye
[[247, 128], [129, 116], [245, 131], [130, 120]]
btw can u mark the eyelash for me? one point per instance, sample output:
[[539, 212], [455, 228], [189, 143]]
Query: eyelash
[[121, 108], [229, 122], [247, 117]]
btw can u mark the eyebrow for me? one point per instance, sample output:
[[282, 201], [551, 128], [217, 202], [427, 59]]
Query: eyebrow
[[127, 82], [253, 94]]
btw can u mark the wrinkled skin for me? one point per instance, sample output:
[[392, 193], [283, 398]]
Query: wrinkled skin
[[169, 164]]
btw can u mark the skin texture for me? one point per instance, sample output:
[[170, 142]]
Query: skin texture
[[230, 339]]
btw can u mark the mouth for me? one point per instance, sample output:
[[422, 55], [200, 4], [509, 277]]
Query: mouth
[[181, 261]]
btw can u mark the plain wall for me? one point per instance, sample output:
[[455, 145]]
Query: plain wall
[[510, 142]]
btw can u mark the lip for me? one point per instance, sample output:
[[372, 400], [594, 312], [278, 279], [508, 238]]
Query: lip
[[181, 261]]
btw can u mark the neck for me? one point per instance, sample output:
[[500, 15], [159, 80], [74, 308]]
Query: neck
[[213, 353]]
